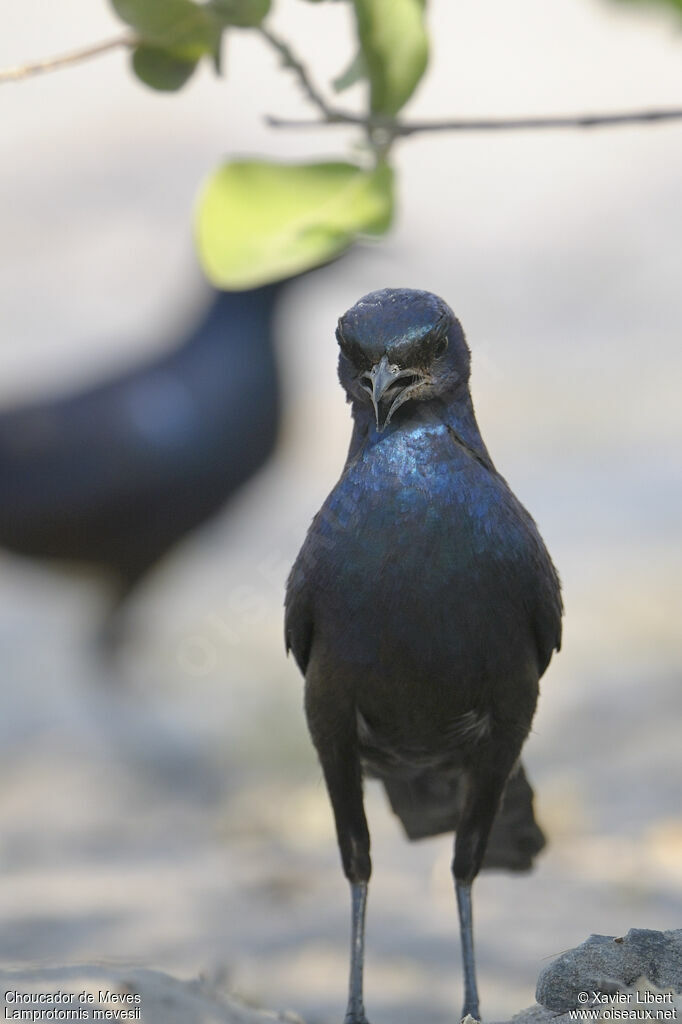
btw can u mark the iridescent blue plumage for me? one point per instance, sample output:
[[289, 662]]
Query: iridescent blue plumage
[[423, 607], [114, 474]]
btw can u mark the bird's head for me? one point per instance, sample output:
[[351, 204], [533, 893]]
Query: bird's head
[[400, 346]]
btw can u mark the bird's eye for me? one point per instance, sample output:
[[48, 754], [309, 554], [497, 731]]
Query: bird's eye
[[441, 345], [353, 351]]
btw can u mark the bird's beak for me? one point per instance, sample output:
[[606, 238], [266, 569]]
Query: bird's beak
[[388, 387]]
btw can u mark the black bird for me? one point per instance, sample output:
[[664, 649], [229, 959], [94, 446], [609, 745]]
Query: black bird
[[114, 475], [422, 609]]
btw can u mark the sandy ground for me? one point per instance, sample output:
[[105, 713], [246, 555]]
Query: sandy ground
[[169, 815], [96, 992]]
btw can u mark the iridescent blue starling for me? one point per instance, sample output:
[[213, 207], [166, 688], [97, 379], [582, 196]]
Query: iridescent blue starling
[[113, 475], [423, 609]]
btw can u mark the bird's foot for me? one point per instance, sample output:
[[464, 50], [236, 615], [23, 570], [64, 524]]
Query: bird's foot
[[355, 1013], [471, 1018]]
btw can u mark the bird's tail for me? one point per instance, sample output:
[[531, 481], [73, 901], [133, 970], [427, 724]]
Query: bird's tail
[[429, 805]]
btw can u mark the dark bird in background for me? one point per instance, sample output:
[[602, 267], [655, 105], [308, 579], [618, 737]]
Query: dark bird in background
[[422, 609], [115, 475]]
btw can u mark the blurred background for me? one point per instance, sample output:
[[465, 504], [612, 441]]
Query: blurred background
[[164, 807]]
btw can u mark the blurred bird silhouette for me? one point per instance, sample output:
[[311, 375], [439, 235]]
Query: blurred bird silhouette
[[422, 609], [114, 475]]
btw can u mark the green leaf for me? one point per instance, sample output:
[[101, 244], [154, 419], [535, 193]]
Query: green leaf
[[160, 69], [395, 44], [239, 13], [186, 30], [356, 70], [675, 4], [259, 221]]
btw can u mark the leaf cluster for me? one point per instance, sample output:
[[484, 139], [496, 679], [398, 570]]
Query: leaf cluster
[[174, 35], [260, 220]]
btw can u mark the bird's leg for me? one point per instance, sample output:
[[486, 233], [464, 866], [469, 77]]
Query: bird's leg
[[114, 628], [353, 836], [335, 738], [355, 1011], [482, 800], [466, 932]]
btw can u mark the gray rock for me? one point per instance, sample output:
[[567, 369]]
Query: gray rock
[[607, 964], [535, 1015]]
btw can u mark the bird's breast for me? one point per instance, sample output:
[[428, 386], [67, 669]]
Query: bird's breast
[[421, 558], [409, 497]]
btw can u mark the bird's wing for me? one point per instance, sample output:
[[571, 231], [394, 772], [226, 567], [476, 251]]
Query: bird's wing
[[298, 618], [542, 587], [548, 632], [547, 613]]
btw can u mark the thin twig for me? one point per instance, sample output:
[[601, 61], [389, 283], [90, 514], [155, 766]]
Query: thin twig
[[484, 124], [53, 63], [291, 61], [382, 129], [609, 120]]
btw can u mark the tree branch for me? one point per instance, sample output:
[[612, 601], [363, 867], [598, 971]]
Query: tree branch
[[53, 63], [382, 130], [394, 129], [289, 60]]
